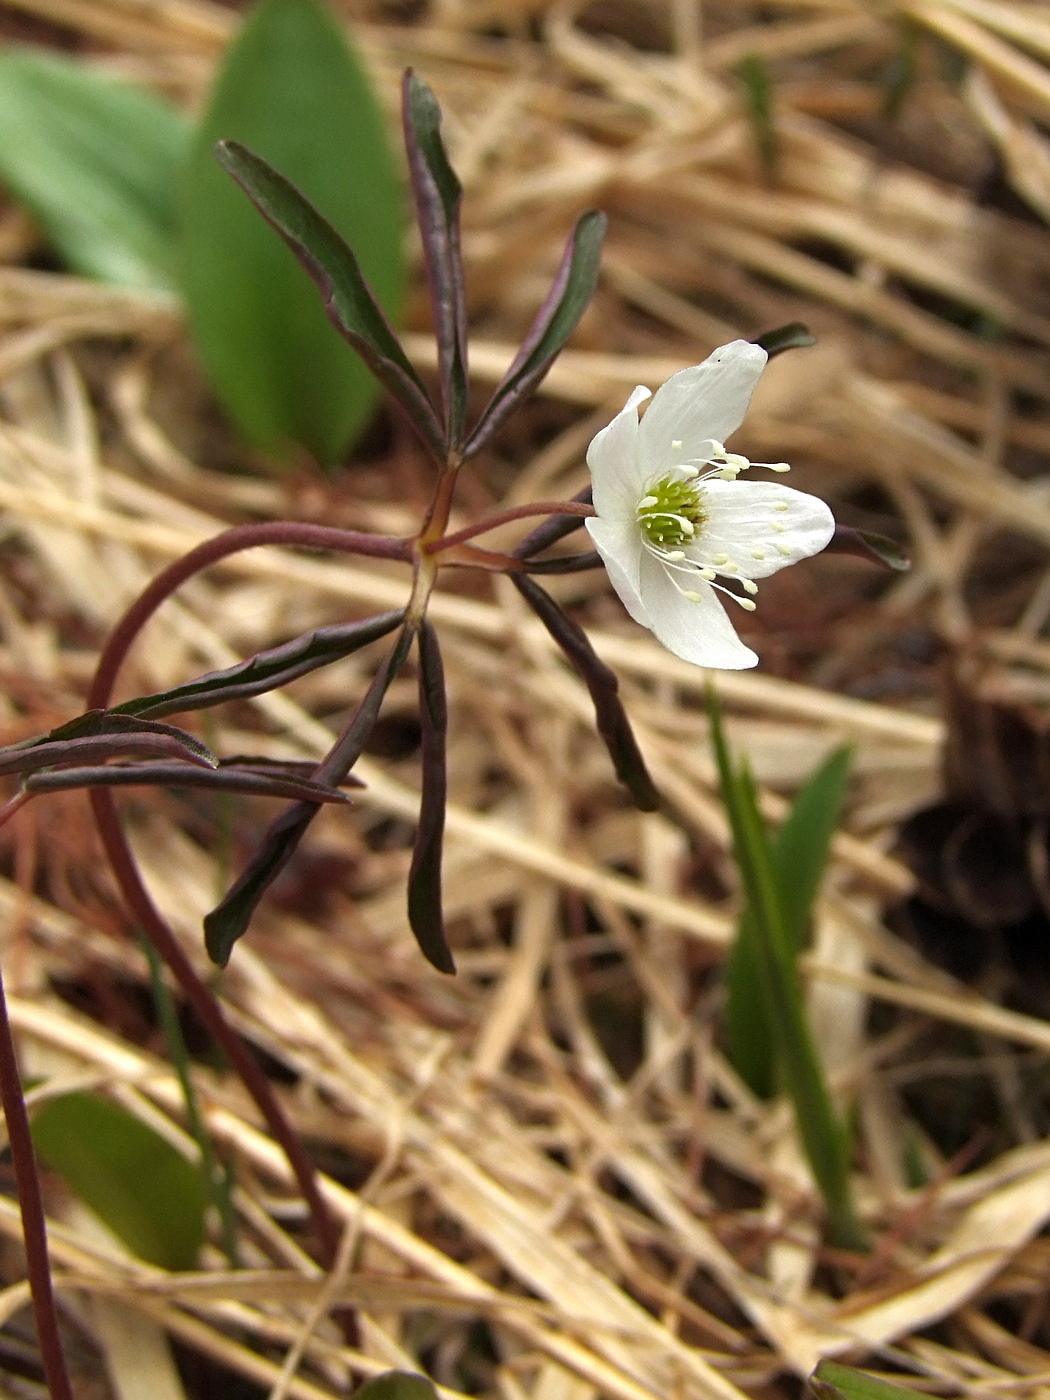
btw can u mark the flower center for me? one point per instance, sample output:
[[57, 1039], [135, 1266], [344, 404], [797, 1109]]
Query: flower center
[[671, 512]]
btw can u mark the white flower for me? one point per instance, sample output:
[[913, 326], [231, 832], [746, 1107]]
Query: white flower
[[672, 518]]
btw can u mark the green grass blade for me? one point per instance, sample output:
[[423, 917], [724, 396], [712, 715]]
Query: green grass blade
[[96, 162], [822, 1136], [292, 91], [800, 853]]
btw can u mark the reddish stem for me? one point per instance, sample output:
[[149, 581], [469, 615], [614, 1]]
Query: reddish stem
[[31, 1205], [233, 541], [492, 522]]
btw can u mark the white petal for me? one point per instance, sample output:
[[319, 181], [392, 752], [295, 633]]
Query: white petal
[[697, 404], [696, 631], [620, 545], [760, 525], [618, 478]]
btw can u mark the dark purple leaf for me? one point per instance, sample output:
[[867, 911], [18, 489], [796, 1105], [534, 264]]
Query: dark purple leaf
[[865, 544], [794, 336], [181, 774], [269, 670], [555, 322], [424, 879], [348, 300], [564, 563], [98, 724], [438, 193], [600, 680], [100, 747], [229, 920], [293, 767]]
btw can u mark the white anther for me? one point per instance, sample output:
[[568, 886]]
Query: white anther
[[709, 574], [693, 597], [750, 586], [781, 505], [778, 527], [720, 559], [676, 444], [758, 554], [673, 555], [785, 549], [747, 604], [776, 466]]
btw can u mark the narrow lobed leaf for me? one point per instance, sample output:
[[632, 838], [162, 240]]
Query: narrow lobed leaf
[[424, 878], [601, 682], [268, 670], [556, 320], [249, 781], [101, 747], [793, 336], [438, 194], [867, 544], [348, 300], [229, 920], [99, 723]]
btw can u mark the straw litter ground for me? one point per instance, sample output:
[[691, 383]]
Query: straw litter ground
[[553, 1186]]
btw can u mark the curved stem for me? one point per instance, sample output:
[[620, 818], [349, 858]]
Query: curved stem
[[232, 541], [31, 1205], [160, 934], [123, 861], [492, 522]]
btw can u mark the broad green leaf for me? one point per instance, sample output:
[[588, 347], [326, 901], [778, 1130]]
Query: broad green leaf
[[291, 90], [96, 162], [800, 853], [145, 1191], [397, 1385], [833, 1382]]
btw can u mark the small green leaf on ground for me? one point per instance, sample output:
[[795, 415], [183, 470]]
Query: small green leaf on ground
[[96, 162], [138, 1185], [833, 1382], [293, 92], [397, 1385]]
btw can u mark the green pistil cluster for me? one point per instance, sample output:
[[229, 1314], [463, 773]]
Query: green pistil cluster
[[672, 511]]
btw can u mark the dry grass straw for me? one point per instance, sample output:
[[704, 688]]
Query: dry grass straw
[[540, 1218]]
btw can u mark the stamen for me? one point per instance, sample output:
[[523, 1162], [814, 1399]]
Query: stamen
[[750, 586], [747, 604], [709, 574], [778, 527], [758, 554], [785, 549], [720, 559], [781, 505]]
